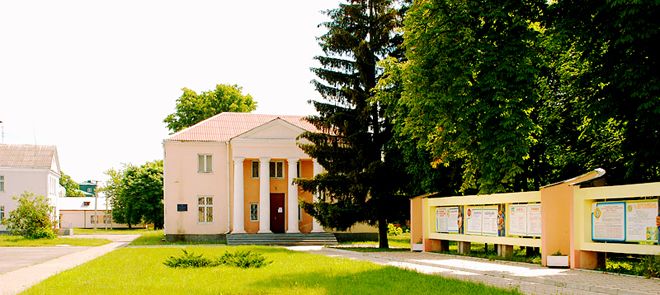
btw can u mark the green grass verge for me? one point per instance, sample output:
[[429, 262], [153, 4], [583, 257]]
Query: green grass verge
[[111, 231], [141, 271], [157, 237], [479, 250], [399, 241], [18, 241]]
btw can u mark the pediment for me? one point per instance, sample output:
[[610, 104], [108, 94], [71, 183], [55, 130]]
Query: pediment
[[274, 129]]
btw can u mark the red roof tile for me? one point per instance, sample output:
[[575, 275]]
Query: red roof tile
[[225, 126]]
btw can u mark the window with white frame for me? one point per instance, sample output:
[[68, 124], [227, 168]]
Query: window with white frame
[[2, 213], [277, 169], [254, 212], [204, 163], [255, 169], [2, 183], [205, 206]]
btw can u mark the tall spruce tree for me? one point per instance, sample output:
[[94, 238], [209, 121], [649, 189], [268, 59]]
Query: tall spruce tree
[[360, 183]]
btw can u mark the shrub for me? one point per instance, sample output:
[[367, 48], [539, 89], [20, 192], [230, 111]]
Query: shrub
[[394, 230], [189, 260], [243, 259], [650, 266], [31, 219]]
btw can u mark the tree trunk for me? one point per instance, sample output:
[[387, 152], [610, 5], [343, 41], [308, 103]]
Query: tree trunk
[[382, 234]]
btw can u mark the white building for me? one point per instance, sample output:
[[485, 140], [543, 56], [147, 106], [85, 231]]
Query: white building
[[28, 168]]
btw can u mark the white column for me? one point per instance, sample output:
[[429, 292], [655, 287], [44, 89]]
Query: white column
[[264, 195], [316, 226], [239, 197], [292, 198]]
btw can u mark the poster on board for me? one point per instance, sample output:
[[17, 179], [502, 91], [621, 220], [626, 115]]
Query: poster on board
[[640, 221], [608, 221], [489, 221], [452, 219], [518, 220], [534, 220], [441, 219], [473, 219]]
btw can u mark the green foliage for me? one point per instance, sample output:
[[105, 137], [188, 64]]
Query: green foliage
[[189, 260], [31, 218], [240, 258], [394, 230], [136, 193], [72, 188], [243, 259], [362, 180], [647, 266], [192, 108]]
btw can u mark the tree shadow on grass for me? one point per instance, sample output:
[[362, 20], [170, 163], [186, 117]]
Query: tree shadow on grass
[[386, 280]]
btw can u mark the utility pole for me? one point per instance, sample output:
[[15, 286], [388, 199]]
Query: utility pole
[[96, 203]]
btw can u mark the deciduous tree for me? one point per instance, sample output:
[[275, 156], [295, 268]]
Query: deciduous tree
[[192, 108]]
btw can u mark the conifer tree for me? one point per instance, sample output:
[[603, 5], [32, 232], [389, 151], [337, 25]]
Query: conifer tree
[[360, 183]]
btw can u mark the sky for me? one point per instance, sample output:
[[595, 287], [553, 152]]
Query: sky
[[97, 78]]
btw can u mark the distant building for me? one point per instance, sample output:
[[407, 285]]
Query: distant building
[[31, 168], [88, 188], [84, 212]]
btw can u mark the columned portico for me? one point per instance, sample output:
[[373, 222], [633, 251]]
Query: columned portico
[[292, 198], [239, 196], [316, 226], [264, 195]]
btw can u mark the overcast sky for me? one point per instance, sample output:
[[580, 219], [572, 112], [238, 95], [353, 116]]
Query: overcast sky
[[96, 79]]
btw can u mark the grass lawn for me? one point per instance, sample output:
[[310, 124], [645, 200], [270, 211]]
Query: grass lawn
[[156, 237], [112, 231], [399, 241], [479, 250], [18, 241], [141, 271]]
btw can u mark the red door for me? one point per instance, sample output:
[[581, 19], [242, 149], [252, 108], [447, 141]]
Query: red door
[[277, 213]]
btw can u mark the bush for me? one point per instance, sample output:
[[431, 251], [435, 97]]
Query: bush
[[394, 230], [189, 260], [31, 219], [242, 259], [650, 267]]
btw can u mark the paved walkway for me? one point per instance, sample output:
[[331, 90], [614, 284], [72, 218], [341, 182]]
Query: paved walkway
[[528, 278], [19, 279]]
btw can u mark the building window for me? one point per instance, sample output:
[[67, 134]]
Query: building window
[[205, 164], [205, 205], [255, 169], [277, 169], [92, 219], [298, 168], [299, 213], [2, 213], [107, 219], [2, 183], [254, 212]]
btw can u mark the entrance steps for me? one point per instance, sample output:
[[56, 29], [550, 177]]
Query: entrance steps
[[282, 239]]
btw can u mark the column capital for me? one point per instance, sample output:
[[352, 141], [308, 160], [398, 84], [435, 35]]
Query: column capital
[[261, 159], [236, 159], [294, 159]]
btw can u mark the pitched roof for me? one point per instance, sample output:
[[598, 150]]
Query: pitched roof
[[225, 126], [27, 156]]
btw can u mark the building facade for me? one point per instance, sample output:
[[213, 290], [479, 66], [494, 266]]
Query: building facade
[[28, 168], [233, 173]]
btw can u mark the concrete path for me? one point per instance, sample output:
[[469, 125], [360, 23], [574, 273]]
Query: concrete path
[[19, 279], [527, 278]]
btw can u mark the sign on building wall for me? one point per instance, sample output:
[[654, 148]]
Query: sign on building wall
[[640, 221], [518, 220], [534, 220], [608, 221], [525, 220], [481, 220], [446, 219]]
